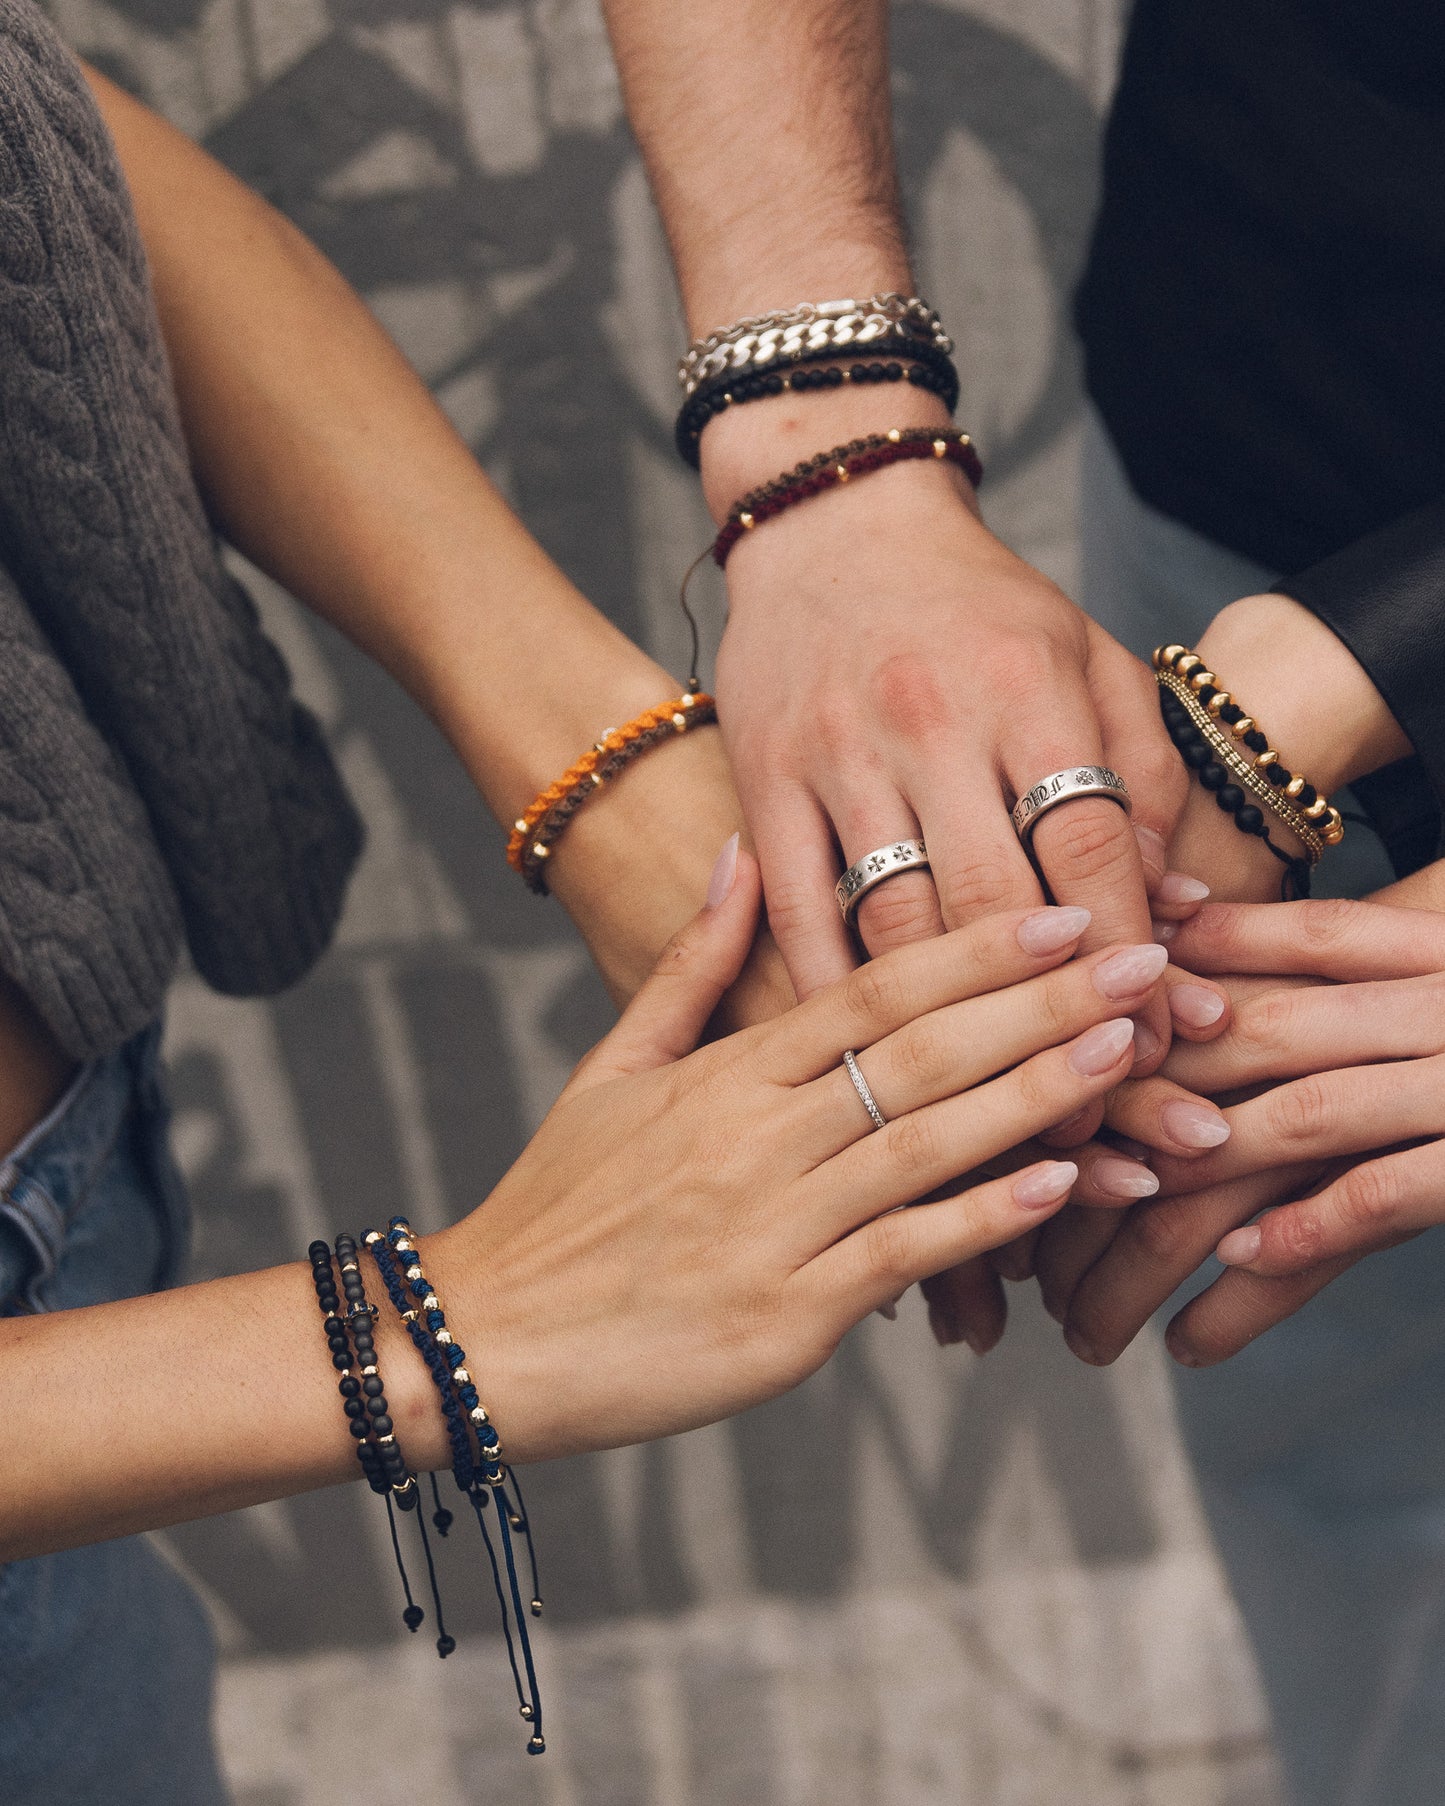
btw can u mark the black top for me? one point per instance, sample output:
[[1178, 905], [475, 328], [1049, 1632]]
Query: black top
[[1263, 312]]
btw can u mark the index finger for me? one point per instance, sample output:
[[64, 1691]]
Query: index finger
[[891, 991], [1328, 939]]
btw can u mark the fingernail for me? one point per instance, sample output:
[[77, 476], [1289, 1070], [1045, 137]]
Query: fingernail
[[1046, 930], [1082, 1347], [1130, 970], [1123, 1178], [1240, 1246], [723, 873], [1194, 1125], [1195, 1005], [974, 1341], [1164, 932], [1174, 887], [1146, 1042], [1101, 1048], [1153, 847], [1180, 1353], [1045, 1184]]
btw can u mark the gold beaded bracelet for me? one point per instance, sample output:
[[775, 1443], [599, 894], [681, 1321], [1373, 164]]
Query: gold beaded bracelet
[[1246, 752]]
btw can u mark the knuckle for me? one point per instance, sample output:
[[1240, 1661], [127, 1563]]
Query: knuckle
[[1370, 1197], [909, 696], [913, 1145], [978, 888], [1265, 1025], [1298, 1113], [1091, 839], [904, 909], [921, 1055], [1297, 1235], [1058, 1005], [1163, 1233], [1327, 923], [873, 993], [889, 1241]]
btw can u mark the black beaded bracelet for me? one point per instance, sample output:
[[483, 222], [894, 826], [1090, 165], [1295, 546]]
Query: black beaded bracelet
[[1211, 763], [910, 360], [349, 1338]]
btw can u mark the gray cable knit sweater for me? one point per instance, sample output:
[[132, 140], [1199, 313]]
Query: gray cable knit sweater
[[157, 779]]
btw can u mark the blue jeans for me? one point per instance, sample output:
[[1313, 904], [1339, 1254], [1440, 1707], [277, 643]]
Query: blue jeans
[[106, 1658], [1319, 1450]]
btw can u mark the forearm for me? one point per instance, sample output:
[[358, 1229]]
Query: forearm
[[323, 458], [130, 1416]]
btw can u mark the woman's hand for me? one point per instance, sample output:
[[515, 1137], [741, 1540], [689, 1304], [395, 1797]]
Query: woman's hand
[[693, 1232], [1330, 1071]]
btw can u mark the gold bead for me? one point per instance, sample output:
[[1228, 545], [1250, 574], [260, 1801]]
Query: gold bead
[[539, 851], [520, 825], [679, 721], [429, 1303], [1316, 810], [536, 1608], [894, 436], [1293, 788], [727, 397], [1200, 680], [1333, 836], [1190, 662], [598, 780], [1245, 725], [746, 522], [940, 446], [842, 470], [444, 1336], [1217, 701], [408, 1316], [1165, 656], [461, 1377], [372, 1237], [689, 697]]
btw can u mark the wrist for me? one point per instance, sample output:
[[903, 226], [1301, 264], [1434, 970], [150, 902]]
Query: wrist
[[747, 446], [1316, 703]]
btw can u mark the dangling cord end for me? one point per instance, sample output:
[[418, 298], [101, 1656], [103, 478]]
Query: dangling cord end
[[445, 1643], [522, 1520], [413, 1615], [441, 1517], [694, 682]]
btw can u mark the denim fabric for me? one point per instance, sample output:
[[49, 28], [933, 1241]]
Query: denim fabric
[[106, 1659], [1319, 1450]]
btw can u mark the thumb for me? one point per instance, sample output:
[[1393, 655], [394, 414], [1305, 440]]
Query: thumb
[[666, 1019]]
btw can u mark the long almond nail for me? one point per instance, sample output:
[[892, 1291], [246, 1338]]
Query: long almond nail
[[1240, 1246], [1047, 930], [1046, 1184], [723, 873], [1194, 1125], [1174, 887], [1130, 970], [1123, 1178], [1101, 1048], [1196, 1006]]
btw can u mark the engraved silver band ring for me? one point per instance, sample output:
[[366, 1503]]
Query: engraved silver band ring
[[1066, 787], [865, 1096], [873, 868]]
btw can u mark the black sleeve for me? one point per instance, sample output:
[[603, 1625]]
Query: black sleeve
[[1384, 595]]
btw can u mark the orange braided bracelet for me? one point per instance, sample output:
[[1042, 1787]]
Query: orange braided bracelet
[[536, 832]]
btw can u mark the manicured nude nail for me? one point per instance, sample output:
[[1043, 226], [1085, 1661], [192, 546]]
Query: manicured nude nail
[[1164, 932], [1130, 970], [1046, 930], [1045, 1184], [1174, 887], [1153, 848], [1101, 1048], [1194, 1125], [1146, 1042], [1195, 1005], [1123, 1178], [1240, 1246], [723, 873]]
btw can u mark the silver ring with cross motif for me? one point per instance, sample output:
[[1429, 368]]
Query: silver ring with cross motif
[[1066, 787], [873, 868]]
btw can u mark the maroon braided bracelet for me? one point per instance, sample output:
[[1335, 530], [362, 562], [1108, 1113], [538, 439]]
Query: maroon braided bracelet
[[831, 468]]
